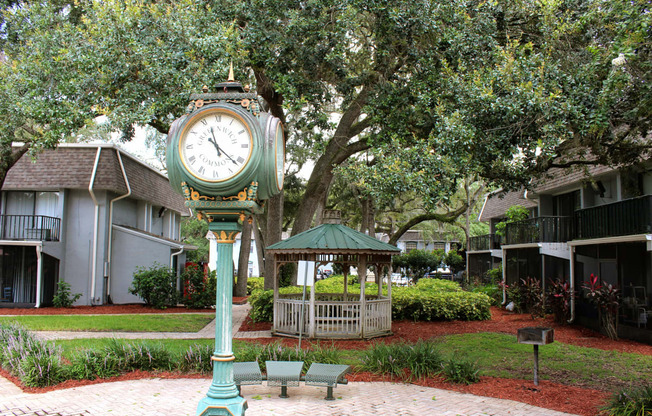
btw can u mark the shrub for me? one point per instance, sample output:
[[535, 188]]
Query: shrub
[[383, 358], [495, 275], [157, 286], [421, 305], [262, 303], [559, 299], [633, 402], [532, 296], [513, 214], [197, 358], [606, 298], [199, 289], [514, 295], [90, 364], [139, 356], [42, 367], [255, 283], [419, 360], [438, 285], [494, 292], [62, 297], [35, 363], [461, 371]]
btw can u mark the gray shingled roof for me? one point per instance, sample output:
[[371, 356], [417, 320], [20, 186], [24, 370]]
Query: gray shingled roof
[[498, 202], [71, 167]]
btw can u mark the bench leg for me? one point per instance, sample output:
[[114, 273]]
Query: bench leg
[[329, 394], [239, 390], [284, 392]]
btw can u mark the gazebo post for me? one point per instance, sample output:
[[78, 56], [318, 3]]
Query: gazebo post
[[311, 313], [378, 271], [345, 272], [275, 306], [362, 277]]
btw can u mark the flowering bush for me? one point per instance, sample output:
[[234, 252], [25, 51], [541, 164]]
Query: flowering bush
[[606, 298]]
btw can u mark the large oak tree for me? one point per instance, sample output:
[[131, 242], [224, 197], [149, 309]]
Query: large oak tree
[[436, 91]]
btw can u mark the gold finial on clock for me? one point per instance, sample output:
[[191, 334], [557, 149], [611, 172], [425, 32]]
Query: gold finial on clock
[[231, 76]]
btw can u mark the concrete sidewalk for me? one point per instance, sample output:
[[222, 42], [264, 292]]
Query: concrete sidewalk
[[159, 397], [240, 312]]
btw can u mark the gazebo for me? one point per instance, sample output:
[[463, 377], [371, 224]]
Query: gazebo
[[334, 315]]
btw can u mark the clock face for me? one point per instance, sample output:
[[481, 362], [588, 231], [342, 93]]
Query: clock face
[[279, 148], [215, 145]]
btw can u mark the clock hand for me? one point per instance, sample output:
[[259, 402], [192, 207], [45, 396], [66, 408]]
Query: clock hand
[[220, 151], [224, 153], [214, 142]]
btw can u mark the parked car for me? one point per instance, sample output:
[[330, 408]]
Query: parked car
[[440, 273], [399, 280]]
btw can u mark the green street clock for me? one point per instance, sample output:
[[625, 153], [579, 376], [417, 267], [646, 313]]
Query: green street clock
[[225, 156], [225, 148]]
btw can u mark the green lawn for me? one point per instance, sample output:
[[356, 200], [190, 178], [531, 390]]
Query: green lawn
[[113, 323], [497, 355]]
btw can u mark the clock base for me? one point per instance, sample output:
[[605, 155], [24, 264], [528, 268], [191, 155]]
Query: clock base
[[234, 406]]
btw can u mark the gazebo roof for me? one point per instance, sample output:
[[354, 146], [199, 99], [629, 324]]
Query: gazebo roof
[[333, 238]]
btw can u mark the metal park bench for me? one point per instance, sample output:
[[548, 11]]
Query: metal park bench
[[247, 373], [284, 374], [288, 373], [326, 375]]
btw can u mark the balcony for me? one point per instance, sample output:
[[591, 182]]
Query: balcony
[[29, 227], [627, 217], [484, 242], [540, 230]]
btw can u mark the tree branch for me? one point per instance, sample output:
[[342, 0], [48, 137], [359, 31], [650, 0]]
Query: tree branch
[[448, 217]]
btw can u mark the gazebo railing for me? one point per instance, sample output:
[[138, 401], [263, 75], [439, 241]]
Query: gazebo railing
[[334, 318], [329, 297], [378, 318], [288, 316]]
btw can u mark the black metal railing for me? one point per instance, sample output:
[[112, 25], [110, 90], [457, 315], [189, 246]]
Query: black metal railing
[[484, 242], [29, 227], [540, 230], [627, 217]]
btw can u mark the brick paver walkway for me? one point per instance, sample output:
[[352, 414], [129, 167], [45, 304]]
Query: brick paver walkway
[[158, 397]]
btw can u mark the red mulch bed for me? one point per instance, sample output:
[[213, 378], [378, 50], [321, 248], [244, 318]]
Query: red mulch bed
[[550, 395]]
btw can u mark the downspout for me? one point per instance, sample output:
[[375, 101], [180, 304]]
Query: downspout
[[504, 278], [572, 284], [39, 270], [96, 223], [110, 243], [172, 256]]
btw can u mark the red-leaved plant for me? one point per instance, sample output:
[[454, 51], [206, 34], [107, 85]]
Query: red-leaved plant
[[606, 298], [559, 299]]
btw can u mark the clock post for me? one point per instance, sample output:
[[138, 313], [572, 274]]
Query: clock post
[[225, 156]]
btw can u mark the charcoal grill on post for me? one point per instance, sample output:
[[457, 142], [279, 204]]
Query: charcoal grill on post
[[536, 336]]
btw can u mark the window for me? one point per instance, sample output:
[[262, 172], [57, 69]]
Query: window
[[410, 245], [33, 203]]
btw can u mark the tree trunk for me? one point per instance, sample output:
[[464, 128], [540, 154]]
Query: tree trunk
[[240, 289], [368, 223], [273, 234]]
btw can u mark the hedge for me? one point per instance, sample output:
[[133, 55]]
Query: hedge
[[429, 300], [420, 305]]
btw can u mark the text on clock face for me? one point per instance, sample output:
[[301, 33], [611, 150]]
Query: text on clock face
[[216, 146]]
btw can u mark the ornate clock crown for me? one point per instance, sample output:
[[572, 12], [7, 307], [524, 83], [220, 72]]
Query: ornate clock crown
[[230, 91]]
